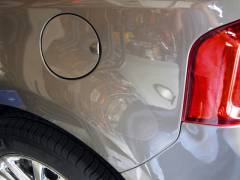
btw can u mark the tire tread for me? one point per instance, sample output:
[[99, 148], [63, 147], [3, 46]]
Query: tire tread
[[57, 141]]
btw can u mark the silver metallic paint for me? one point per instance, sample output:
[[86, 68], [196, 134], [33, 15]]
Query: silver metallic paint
[[129, 109], [201, 152], [70, 46]]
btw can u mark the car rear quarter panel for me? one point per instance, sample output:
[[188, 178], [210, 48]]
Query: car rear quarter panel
[[129, 109], [201, 152]]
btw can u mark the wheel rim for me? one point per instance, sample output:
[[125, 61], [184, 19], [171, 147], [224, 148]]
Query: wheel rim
[[14, 167]]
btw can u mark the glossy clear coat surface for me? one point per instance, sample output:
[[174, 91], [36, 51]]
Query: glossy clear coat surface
[[129, 108], [70, 46], [201, 152]]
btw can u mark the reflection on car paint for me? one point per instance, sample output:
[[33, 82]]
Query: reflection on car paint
[[11, 98], [115, 110]]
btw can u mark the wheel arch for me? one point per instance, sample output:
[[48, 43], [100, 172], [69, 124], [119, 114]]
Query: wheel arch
[[69, 125]]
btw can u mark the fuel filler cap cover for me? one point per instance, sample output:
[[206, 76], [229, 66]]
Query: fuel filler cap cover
[[70, 46]]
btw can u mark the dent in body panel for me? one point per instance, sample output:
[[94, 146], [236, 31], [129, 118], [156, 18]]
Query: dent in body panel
[[128, 110]]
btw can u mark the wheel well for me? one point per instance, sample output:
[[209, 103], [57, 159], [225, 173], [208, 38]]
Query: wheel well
[[7, 111]]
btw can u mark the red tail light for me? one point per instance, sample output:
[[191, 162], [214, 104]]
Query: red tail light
[[213, 79]]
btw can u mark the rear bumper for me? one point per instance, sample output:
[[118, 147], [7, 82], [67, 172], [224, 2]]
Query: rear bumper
[[201, 152]]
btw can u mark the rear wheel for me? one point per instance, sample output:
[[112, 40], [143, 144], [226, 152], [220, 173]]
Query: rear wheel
[[16, 166], [33, 150]]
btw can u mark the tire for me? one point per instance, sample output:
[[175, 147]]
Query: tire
[[26, 135]]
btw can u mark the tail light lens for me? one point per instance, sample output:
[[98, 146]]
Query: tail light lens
[[213, 79]]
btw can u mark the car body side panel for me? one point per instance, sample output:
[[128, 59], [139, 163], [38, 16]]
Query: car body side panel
[[201, 152], [129, 109]]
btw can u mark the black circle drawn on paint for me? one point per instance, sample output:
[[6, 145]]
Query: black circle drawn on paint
[[41, 47]]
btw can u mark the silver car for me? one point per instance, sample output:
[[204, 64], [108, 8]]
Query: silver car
[[119, 89]]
